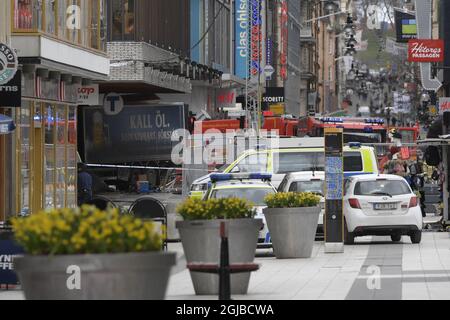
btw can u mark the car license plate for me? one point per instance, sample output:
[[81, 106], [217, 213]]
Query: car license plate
[[385, 206]]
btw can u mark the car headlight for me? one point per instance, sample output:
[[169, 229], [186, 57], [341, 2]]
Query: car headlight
[[198, 187]]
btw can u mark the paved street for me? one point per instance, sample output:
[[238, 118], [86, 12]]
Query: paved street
[[408, 272]]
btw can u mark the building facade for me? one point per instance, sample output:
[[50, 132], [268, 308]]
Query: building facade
[[60, 46]]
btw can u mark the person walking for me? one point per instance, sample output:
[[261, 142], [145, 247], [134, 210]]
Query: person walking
[[84, 185]]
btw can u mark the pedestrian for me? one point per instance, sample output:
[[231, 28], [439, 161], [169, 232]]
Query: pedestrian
[[84, 185]]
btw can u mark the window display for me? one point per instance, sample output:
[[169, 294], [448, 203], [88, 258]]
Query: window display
[[28, 14]]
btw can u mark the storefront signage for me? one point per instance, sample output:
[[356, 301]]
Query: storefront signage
[[406, 26], [284, 40], [225, 99], [138, 133], [444, 105], [273, 95], [8, 63], [241, 36], [8, 251], [256, 37], [113, 104], [421, 50], [11, 92], [88, 95]]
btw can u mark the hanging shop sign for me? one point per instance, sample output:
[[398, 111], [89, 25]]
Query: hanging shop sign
[[421, 50], [88, 95], [241, 36], [273, 96], [256, 37], [406, 26], [284, 39], [8, 63], [11, 92], [225, 99], [444, 105]]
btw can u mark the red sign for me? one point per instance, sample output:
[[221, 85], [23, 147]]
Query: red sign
[[426, 50]]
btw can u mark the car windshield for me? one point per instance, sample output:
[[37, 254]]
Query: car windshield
[[307, 186], [382, 188], [254, 195]]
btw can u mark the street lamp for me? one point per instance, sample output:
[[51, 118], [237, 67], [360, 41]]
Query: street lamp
[[330, 6], [350, 50], [349, 28], [352, 41]]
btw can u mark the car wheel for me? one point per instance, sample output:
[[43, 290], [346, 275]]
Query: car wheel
[[396, 237], [416, 237], [349, 237]]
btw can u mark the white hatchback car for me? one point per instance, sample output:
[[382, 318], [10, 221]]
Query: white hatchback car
[[381, 205], [307, 181]]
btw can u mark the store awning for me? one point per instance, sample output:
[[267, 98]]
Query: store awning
[[6, 124]]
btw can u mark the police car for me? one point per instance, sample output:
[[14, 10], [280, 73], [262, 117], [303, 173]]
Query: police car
[[253, 187]]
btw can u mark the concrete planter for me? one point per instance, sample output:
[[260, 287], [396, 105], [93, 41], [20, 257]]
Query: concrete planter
[[134, 276], [201, 243], [292, 230]]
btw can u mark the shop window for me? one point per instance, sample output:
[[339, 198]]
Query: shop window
[[50, 17], [94, 23], [103, 24], [28, 85], [28, 14], [72, 34], [123, 20], [49, 89], [72, 158], [62, 19], [49, 154], [60, 153], [25, 153]]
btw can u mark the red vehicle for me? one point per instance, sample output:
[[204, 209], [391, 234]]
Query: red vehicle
[[370, 130]]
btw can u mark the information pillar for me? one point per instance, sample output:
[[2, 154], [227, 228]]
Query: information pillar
[[334, 184]]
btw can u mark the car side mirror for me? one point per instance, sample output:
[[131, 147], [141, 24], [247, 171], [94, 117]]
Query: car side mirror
[[235, 170]]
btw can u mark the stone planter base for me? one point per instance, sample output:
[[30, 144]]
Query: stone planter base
[[201, 244], [134, 276], [293, 231]]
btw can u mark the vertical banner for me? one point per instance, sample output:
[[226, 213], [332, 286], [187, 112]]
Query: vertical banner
[[424, 31], [241, 38], [334, 181], [284, 32], [256, 38]]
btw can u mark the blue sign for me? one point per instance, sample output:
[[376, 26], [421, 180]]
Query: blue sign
[[334, 178], [8, 251], [241, 38]]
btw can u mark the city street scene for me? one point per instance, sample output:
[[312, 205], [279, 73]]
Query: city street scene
[[224, 150]]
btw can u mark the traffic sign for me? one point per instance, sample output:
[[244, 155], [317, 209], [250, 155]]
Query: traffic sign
[[113, 104]]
